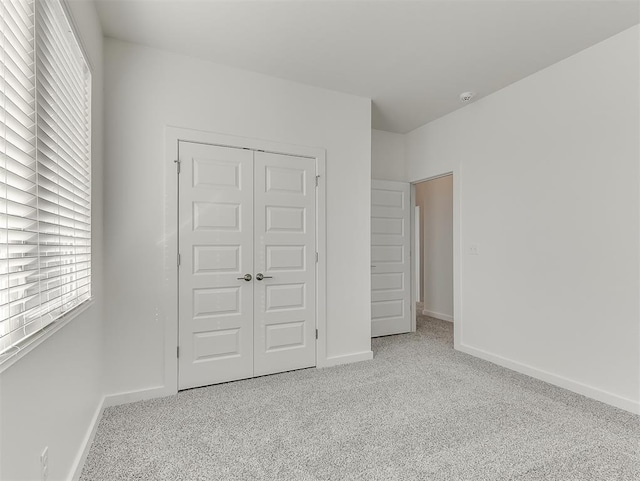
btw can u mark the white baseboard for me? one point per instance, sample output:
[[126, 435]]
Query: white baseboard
[[140, 395], [437, 315], [577, 387], [81, 457], [105, 402], [346, 359]]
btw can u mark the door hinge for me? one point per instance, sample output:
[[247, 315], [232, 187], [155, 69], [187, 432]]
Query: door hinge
[[317, 180], [178, 351], [177, 165], [316, 257], [316, 334], [179, 259]]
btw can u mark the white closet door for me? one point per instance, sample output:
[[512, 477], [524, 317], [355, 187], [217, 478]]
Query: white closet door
[[390, 262], [216, 249], [285, 224]]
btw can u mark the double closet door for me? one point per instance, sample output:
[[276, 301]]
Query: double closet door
[[247, 269]]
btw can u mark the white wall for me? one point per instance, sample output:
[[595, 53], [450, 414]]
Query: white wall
[[387, 156], [147, 90], [51, 395], [548, 189], [435, 198]]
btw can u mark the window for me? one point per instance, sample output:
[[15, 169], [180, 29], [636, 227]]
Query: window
[[45, 171]]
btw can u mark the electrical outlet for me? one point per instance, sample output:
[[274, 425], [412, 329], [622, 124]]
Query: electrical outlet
[[44, 464]]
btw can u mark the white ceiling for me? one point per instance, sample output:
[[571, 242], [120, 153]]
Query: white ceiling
[[412, 58]]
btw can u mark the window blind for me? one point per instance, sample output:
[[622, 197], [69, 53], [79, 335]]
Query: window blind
[[45, 192]]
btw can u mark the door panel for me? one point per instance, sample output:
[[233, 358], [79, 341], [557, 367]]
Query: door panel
[[216, 247], [284, 336], [390, 267]]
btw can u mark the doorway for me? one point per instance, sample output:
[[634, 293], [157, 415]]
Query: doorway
[[435, 247], [247, 263]]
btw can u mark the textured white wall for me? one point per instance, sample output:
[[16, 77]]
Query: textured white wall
[[435, 198], [548, 190], [51, 395], [387, 156], [147, 90]]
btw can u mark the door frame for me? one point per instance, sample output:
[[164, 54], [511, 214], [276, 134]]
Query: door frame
[[457, 253], [170, 288]]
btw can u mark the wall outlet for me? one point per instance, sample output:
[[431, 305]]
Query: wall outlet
[[44, 464], [474, 250]]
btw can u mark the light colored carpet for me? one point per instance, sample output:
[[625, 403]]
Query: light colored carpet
[[418, 411]]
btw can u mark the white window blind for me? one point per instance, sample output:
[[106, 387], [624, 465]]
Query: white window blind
[[45, 191]]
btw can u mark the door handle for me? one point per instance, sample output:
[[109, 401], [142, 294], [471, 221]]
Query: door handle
[[259, 276], [246, 277]]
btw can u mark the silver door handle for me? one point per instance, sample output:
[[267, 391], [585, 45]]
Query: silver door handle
[[374, 266], [259, 276], [246, 277]]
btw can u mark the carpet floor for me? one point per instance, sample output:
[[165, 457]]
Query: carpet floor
[[418, 411]]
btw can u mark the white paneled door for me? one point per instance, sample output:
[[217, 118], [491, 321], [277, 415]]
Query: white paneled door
[[284, 307], [390, 259], [247, 264]]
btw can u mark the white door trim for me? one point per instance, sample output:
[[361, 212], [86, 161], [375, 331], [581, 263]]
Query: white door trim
[[414, 252], [170, 242]]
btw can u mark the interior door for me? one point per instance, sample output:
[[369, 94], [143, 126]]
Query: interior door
[[247, 272], [390, 259], [285, 254], [216, 252]]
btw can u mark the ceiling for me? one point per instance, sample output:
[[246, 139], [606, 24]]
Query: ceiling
[[412, 58]]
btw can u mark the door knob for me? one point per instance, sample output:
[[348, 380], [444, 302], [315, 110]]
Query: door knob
[[259, 276], [246, 277]]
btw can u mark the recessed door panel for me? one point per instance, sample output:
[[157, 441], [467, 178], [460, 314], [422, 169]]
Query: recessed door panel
[[285, 219], [387, 226], [288, 296], [216, 248], [285, 254], [215, 174], [288, 335], [285, 180], [387, 198], [216, 216], [387, 254], [216, 344], [216, 301], [210, 259], [393, 281], [387, 309], [285, 258]]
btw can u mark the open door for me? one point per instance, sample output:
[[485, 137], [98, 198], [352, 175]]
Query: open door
[[390, 258]]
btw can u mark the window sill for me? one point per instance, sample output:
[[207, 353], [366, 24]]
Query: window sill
[[16, 353]]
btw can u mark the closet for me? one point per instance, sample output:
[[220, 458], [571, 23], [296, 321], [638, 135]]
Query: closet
[[247, 263]]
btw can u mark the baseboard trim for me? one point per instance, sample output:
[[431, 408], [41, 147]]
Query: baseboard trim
[[139, 395], [437, 315], [347, 359], [81, 457], [563, 382]]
